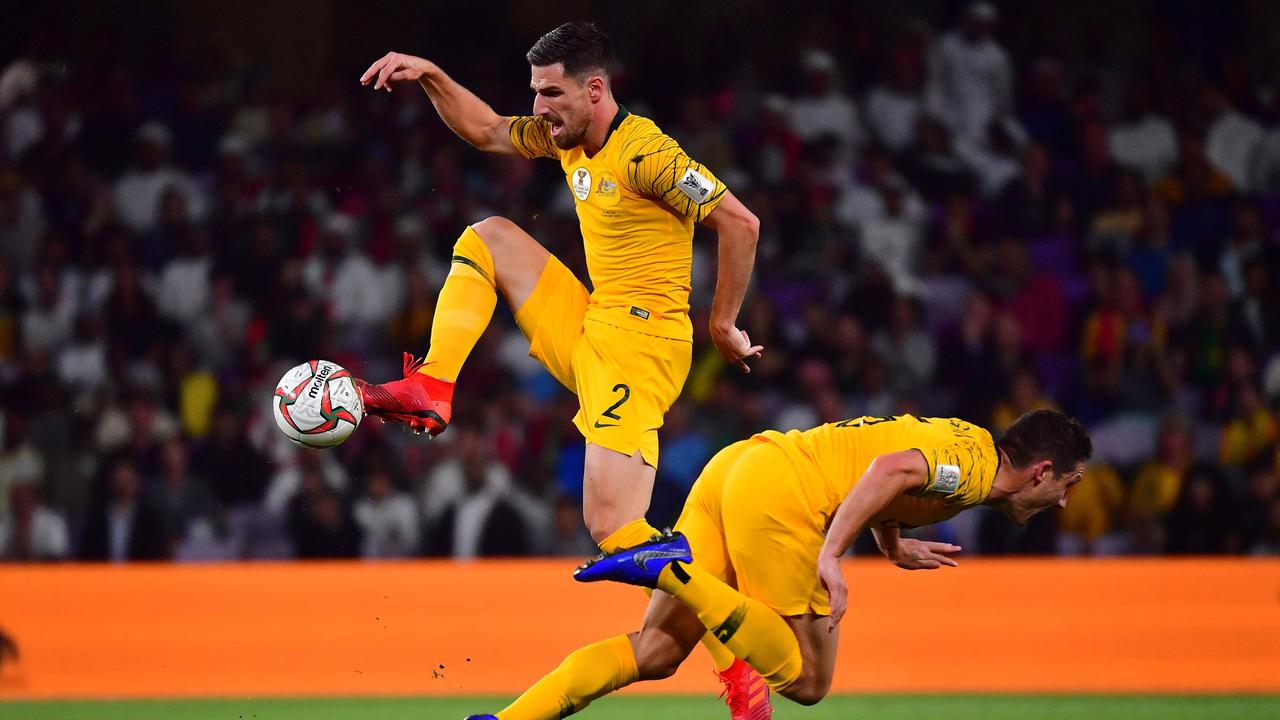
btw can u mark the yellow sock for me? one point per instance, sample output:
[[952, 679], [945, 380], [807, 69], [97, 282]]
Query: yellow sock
[[588, 673], [629, 535], [748, 628], [463, 309], [721, 656]]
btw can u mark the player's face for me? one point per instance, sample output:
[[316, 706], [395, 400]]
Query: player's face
[[1046, 489], [563, 101]]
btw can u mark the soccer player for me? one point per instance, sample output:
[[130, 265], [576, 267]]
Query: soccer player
[[755, 559], [624, 348]]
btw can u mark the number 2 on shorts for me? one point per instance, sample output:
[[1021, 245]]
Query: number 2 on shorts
[[626, 395]]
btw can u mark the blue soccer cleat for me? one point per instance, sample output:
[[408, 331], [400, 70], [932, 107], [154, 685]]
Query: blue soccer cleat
[[482, 717], [637, 565]]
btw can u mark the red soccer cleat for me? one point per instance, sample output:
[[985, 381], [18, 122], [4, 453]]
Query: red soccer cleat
[[409, 401], [745, 692]]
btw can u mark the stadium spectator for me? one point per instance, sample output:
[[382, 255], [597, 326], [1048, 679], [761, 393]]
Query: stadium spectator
[[388, 518], [970, 77], [320, 521], [122, 523], [31, 530]]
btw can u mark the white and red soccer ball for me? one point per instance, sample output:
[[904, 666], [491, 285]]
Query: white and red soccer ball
[[317, 404]]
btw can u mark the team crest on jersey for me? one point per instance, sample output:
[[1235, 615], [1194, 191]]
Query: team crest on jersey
[[607, 190], [946, 479], [580, 182]]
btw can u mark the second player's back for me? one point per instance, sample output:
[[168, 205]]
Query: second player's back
[[962, 458]]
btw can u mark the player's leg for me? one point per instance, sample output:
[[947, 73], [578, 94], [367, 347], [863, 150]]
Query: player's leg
[[773, 537], [491, 255], [616, 490], [818, 654], [669, 633], [626, 381]]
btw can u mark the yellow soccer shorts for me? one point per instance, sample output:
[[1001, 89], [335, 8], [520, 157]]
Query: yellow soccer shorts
[[625, 380], [750, 524]]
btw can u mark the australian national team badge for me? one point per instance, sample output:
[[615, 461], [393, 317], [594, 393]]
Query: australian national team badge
[[607, 191], [580, 182]]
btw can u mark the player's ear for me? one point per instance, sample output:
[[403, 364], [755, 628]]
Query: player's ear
[[1042, 471], [595, 88]]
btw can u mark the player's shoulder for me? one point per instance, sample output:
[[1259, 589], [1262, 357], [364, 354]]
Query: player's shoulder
[[641, 136]]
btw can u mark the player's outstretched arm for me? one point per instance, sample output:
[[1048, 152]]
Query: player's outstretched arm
[[889, 476], [466, 115], [738, 230]]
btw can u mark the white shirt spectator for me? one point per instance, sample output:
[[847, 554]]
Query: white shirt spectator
[[892, 115], [49, 537], [970, 85], [182, 292], [828, 111], [352, 288], [47, 328], [831, 114], [1148, 146], [83, 365], [390, 525], [286, 483], [138, 194], [1230, 147]]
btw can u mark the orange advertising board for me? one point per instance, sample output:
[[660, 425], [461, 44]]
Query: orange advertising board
[[430, 628]]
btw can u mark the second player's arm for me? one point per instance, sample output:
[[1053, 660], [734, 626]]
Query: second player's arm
[[738, 231], [466, 115], [888, 477]]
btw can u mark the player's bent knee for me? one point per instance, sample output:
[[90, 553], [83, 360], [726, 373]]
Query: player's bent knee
[[497, 232], [806, 691]]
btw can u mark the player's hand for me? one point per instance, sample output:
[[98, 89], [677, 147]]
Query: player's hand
[[734, 345], [394, 67], [923, 554], [832, 579]]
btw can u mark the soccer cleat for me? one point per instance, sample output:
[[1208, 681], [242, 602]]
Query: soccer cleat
[[407, 401], [745, 692], [482, 717], [637, 565]]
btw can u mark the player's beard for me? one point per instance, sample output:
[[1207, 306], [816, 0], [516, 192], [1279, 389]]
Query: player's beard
[[571, 138]]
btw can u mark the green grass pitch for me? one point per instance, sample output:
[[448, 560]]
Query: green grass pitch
[[842, 707]]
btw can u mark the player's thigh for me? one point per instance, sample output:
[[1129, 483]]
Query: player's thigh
[[518, 258], [818, 652], [772, 533], [626, 381], [669, 633], [551, 318]]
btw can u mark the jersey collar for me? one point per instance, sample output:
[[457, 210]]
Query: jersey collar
[[617, 120]]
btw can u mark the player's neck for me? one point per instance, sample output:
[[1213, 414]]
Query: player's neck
[[601, 122], [1007, 481]]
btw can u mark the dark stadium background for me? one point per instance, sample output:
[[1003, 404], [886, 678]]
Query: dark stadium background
[[143, 348]]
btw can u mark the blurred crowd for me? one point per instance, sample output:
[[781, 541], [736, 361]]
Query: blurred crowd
[[946, 229]]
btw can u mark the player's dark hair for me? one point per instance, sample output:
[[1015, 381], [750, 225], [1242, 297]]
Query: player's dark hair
[[581, 46], [1047, 435]]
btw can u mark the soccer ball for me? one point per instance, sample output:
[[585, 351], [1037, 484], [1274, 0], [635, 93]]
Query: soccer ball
[[317, 404]]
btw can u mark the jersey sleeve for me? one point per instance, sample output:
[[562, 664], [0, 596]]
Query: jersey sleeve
[[531, 137], [962, 471], [657, 167]]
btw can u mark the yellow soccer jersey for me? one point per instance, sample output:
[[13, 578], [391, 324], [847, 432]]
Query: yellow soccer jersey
[[832, 458], [637, 201]]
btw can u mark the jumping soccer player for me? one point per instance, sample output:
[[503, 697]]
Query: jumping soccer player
[[755, 559], [624, 348]]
